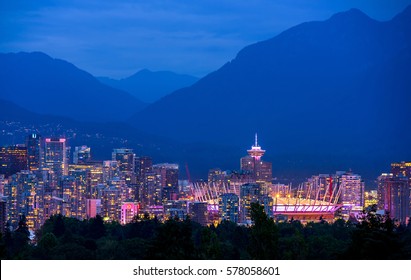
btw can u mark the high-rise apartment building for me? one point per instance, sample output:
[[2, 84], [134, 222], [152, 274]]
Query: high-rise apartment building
[[249, 193], [21, 198], [394, 196], [352, 195], [168, 179], [34, 151], [55, 156], [228, 206]]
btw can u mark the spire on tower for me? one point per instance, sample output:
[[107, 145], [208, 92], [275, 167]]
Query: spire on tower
[[256, 151]]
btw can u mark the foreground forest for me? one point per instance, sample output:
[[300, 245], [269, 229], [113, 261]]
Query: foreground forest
[[375, 237]]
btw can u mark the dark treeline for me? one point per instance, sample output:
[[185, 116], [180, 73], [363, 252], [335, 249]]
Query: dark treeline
[[376, 237]]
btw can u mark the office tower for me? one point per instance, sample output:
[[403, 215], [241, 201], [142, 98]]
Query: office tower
[[92, 175], [152, 190], [128, 211], [81, 155], [352, 194], [168, 180], [199, 213], [394, 196], [96, 177], [249, 193], [13, 159], [228, 206], [93, 207], [34, 154], [111, 203], [74, 194], [55, 156], [143, 165], [21, 198], [125, 159], [260, 170]]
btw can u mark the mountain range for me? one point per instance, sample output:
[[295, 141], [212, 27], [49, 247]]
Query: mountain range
[[150, 86], [45, 85], [323, 95]]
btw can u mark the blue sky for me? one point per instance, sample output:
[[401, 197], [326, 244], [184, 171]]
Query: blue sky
[[118, 38]]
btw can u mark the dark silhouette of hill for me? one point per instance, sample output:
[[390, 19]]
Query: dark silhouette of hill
[[321, 95], [45, 85], [150, 86]]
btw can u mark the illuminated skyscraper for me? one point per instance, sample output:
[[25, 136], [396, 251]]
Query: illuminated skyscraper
[[394, 196], [352, 195], [111, 203], [228, 206], [33, 144], [21, 197], [55, 156], [143, 165], [168, 176], [249, 193]]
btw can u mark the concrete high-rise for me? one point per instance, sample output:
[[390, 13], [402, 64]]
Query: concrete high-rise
[[228, 206], [394, 196], [249, 193], [55, 156], [34, 152], [352, 195]]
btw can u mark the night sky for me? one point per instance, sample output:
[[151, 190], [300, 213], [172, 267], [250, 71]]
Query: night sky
[[118, 38]]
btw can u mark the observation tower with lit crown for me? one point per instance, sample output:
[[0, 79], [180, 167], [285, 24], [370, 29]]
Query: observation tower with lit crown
[[256, 152]]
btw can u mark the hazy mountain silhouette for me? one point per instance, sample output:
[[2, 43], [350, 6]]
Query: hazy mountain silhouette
[[329, 93], [52, 86], [150, 86]]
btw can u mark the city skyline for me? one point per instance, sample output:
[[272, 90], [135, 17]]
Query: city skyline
[[130, 185], [291, 143]]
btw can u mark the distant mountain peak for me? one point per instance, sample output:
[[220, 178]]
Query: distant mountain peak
[[352, 14], [150, 86]]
